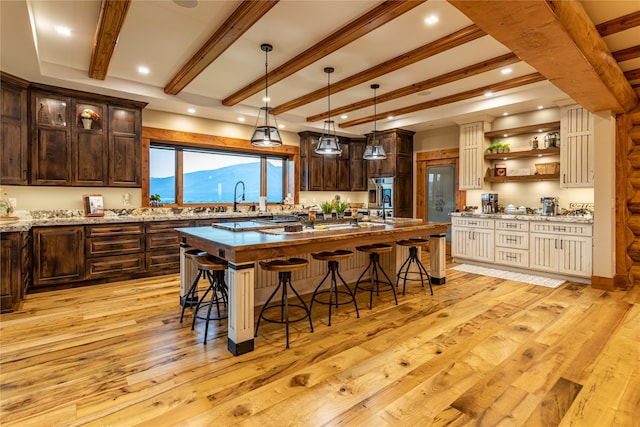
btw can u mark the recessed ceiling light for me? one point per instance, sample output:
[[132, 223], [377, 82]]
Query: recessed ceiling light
[[63, 31], [281, 126], [540, 107], [539, 130], [143, 70], [266, 99], [191, 110], [389, 117], [424, 93], [505, 114], [430, 20], [505, 135], [241, 119], [344, 116], [488, 94], [506, 71]]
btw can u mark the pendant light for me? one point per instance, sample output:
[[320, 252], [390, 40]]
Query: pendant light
[[328, 144], [265, 135], [371, 151]]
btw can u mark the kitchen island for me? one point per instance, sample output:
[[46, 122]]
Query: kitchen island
[[242, 249]]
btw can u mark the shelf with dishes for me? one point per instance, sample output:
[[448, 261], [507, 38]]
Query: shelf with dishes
[[549, 171]]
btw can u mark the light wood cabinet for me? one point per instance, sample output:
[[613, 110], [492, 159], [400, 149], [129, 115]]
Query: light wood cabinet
[[561, 248], [472, 166], [512, 243], [577, 141], [473, 239]]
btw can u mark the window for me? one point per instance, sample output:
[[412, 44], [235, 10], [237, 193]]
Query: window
[[210, 176]]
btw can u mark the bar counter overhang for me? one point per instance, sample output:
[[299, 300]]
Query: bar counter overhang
[[242, 249]]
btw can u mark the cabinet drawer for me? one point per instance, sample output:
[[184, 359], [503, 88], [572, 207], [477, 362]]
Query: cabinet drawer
[[473, 222], [562, 228], [512, 239], [162, 241], [505, 224], [101, 246], [169, 262], [114, 265], [114, 229], [513, 257], [166, 226]]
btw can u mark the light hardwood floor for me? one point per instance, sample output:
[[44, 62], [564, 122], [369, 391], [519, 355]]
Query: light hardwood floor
[[481, 351]]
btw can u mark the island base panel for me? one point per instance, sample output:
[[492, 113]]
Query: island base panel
[[437, 247]]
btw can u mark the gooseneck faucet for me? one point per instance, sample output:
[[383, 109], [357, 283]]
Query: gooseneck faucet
[[385, 199], [235, 197]]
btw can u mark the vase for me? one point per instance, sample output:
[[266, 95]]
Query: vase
[[87, 123]]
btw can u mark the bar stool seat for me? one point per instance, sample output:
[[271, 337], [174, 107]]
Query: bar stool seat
[[213, 268], [333, 259], [405, 269], [374, 252], [190, 299], [284, 269]]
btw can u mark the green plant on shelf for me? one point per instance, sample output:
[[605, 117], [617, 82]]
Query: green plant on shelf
[[340, 207], [326, 207]]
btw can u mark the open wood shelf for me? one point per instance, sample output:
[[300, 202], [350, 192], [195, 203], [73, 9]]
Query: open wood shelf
[[524, 178], [544, 152], [542, 127]]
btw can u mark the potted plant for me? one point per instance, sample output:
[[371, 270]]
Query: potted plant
[[327, 208], [340, 207], [87, 116], [155, 200]]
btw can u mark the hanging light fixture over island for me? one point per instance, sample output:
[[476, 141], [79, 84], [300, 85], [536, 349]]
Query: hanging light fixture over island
[[266, 135], [373, 151], [328, 144]]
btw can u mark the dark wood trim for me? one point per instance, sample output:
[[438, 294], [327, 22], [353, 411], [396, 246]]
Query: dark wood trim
[[619, 24], [622, 214], [364, 24], [449, 153], [16, 81], [110, 22], [403, 60], [459, 74], [632, 74], [242, 18], [632, 52], [89, 96], [507, 84], [603, 283]]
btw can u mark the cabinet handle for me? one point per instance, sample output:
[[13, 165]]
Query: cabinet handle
[[510, 257], [512, 225], [472, 223], [564, 178], [555, 243], [560, 243]]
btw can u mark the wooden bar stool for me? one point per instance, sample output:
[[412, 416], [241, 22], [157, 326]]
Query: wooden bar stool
[[374, 252], [191, 297], [333, 259], [413, 258], [284, 269], [213, 268]]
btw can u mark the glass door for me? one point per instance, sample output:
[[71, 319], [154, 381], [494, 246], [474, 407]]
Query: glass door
[[441, 194]]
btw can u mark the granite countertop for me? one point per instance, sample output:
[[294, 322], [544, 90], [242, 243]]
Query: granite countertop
[[588, 219], [24, 220]]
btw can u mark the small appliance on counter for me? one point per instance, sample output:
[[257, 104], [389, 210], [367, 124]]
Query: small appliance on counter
[[550, 206], [489, 203]]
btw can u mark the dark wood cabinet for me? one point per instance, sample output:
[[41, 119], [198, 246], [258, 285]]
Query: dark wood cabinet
[[163, 246], [68, 149], [320, 172], [357, 166], [13, 269], [125, 148], [15, 131], [114, 250], [398, 145], [58, 255]]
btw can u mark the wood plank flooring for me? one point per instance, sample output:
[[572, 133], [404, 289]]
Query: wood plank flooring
[[481, 351]]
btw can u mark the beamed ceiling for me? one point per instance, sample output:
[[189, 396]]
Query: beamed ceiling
[[206, 55]]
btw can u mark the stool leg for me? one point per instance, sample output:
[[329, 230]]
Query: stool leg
[[355, 290], [191, 292], [195, 312], [265, 306], [406, 261], [317, 289], [393, 289], [286, 278], [304, 304], [353, 296], [421, 266]]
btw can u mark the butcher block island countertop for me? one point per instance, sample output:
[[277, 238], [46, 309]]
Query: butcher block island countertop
[[242, 249]]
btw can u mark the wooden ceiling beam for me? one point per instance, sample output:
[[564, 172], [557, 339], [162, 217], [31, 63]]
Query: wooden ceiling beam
[[110, 21], [563, 45], [632, 52], [632, 75], [440, 80], [619, 24], [507, 84], [242, 18], [349, 32], [450, 41]]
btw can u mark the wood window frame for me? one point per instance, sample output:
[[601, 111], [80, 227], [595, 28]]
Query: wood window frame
[[198, 140]]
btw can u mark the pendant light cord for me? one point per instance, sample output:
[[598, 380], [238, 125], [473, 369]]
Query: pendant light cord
[[266, 87]]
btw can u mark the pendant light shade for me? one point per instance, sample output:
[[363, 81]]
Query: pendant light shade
[[264, 134], [328, 143], [371, 151]]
